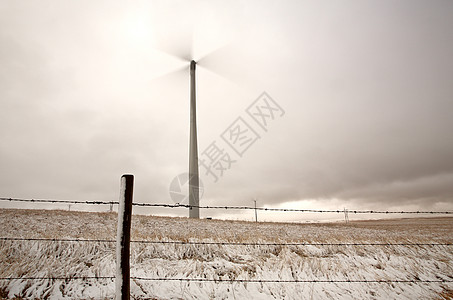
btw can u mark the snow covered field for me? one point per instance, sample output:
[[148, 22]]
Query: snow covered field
[[238, 262]]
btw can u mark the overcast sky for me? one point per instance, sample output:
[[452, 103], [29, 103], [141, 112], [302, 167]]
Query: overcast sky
[[91, 90]]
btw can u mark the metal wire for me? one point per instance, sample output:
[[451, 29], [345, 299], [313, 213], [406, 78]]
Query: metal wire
[[58, 278], [230, 280], [288, 209], [289, 281], [225, 207], [227, 243], [291, 244], [55, 240], [60, 201]]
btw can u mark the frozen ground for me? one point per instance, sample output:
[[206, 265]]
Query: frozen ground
[[306, 262]]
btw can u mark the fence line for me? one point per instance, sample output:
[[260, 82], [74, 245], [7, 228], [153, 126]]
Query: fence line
[[231, 280], [222, 280], [291, 281], [225, 207], [60, 201], [229, 243], [58, 278], [56, 240], [289, 209]]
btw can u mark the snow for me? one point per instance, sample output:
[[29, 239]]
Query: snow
[[309, 262]]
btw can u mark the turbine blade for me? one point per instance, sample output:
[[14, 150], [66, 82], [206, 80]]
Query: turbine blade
[[221, 62], [178, 49], [209, 58], [177, 41], [179, 74], [226, 62]]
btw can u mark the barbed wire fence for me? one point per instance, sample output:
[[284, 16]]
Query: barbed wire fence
[[178, 205], [222, 280], [224, 243]]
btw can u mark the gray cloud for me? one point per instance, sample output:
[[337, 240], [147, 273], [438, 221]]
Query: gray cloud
[[365, 86]]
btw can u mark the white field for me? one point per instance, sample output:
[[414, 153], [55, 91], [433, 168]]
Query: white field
[[69, 259]]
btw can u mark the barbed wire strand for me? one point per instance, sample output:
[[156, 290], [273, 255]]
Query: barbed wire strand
[[57, 240], [291, 281], [291, 244], [225, 243], [60, 201], [288, 209], [178, 205], [58, 278], [231, 280]]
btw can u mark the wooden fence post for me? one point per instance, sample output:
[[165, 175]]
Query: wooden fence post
[[123, 238]]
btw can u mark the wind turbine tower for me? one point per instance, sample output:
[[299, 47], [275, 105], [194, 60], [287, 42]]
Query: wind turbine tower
[[194, 190]]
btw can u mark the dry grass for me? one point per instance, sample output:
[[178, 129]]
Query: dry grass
[[61, 224], [225, 261]]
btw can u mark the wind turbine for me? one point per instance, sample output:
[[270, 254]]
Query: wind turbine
[[185, 54], [193, 178]]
